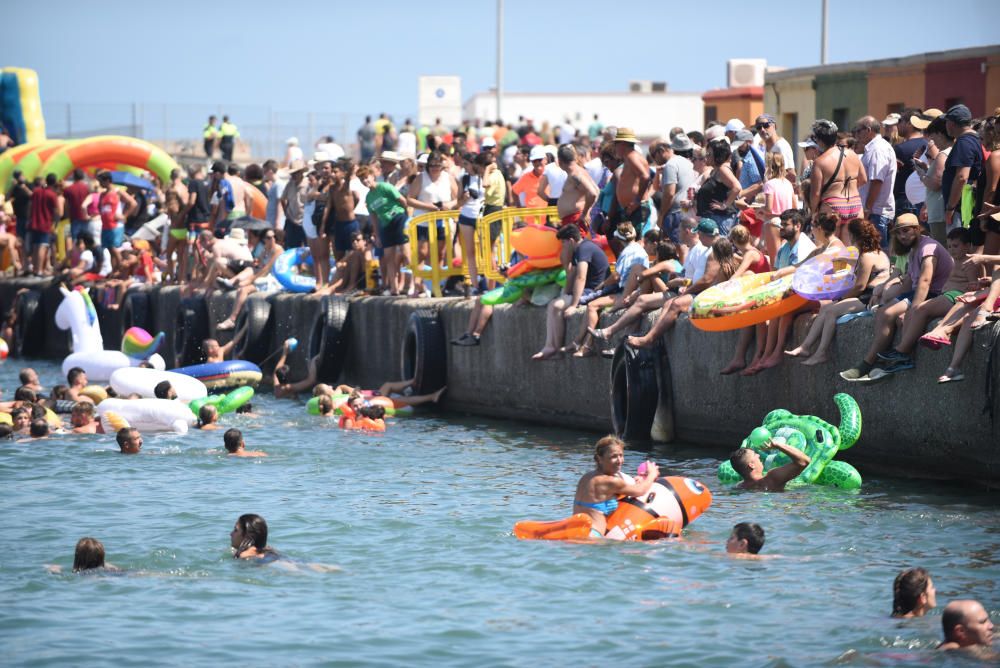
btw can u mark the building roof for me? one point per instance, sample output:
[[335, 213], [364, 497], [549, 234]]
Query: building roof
[[744, 92], [863, 65]]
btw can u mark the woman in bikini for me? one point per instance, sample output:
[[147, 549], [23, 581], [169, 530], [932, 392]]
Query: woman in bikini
[[598, 490], [837, 174]]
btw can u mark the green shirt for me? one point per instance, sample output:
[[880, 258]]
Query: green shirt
[[383, 201]]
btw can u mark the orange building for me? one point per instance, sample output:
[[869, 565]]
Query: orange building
[[745, 103], [892, 89]]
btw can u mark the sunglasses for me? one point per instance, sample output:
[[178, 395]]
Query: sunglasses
[[763, 126]]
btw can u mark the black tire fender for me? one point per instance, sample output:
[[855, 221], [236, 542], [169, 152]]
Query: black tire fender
[[328, 338], [634, 392], [255, 318], [29, 335], [424, 352], [191, 329], [135, 311]]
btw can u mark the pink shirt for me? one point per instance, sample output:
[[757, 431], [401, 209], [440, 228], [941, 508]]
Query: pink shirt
[[925, 247], [782, 195]]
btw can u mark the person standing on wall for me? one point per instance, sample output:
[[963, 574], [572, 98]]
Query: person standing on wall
[[879, 161], [228, 134], [210, 135]]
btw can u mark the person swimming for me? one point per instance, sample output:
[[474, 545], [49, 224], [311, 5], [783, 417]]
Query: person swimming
[[208, 417], [913, 593], [236, 447], [249, 538], [597, 491], [89, 555], [746, 538]]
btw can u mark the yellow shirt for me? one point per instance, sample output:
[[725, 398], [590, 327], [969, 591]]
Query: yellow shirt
[[496, 189]]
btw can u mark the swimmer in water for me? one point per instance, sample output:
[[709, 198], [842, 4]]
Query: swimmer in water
[[233, 440], [913, 593], [29, 379], [39, 428], [325, 405], [967, 626], [208, 417], [164, 390], [20, 419], [89, 556], [748, 464], [82, 419], [249, 538], [394, 389], [598, 490], [283, 387], [746, 538], [129, 440]]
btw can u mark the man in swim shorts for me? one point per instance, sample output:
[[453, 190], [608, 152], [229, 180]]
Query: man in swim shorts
[[966, 625], [632, 187], [750, 467], [579, 192], [746, 538], [339, 224], [597, 491]]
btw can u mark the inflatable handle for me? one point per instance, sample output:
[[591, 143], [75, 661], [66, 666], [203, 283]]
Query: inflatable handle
[[230, 402], [293, 343], [850, 419], [641, 471]]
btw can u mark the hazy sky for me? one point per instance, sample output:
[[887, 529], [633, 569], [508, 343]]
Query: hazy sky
[[356, 57]]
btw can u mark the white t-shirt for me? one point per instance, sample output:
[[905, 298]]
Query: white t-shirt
[[362, 192], [333, 150], [567, 133], [696, 261], [294, 153], [88, 257], [407, 145], [785, 149], [474, 205], [916, 191], [680, 172], [557, 179], [598, 172]]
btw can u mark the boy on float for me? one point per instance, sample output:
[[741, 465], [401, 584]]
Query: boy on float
[[748, 464], [597, 491]]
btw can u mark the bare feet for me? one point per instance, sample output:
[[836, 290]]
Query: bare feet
[[770, 362], [437, 395], [733, 367], [597, 333], [751, 370], [797, 352], [545, 354], [638, 341], [818, 358]]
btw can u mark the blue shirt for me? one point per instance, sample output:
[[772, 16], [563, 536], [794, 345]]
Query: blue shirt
[[750, 174]]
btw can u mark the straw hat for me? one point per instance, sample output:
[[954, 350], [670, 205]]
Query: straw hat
[[238, 235], [626, 135]]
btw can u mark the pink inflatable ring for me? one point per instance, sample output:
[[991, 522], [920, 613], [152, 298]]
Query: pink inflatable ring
[[826, 276]]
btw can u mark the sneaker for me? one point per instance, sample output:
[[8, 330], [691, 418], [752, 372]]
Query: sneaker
[[226, 324], [224, 282], [900, 365], [854, 373], [467, 340], [892, 355], [459, 341]]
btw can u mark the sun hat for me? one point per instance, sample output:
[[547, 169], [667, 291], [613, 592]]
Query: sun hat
[[922, 120], [390, 156], [422, 159], [488, 142], [906, 220], [808, 143], [891, 119], [681, 142], [626, 135], [292, 141], [239, 235], [297, 165]]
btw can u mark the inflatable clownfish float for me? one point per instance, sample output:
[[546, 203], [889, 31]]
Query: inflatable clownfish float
[[664, 511]]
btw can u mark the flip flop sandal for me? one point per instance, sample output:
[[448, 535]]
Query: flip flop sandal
[[934, 342], [951, 378]]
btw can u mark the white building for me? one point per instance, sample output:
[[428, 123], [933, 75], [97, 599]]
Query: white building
[[650, 114]]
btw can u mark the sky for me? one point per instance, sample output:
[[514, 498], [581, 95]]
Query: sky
[[349, 58]]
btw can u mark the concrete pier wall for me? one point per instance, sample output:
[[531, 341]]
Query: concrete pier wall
[[912, 425]]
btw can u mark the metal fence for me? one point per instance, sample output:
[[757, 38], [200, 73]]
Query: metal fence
[[264, 129]]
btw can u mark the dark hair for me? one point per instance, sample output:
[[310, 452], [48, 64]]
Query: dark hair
[[89, 554], [824, 132], [162, 389], [232, 439], [794, 215], [123, 435], [721, 151], [372, 412], [725, 254], [73, 374], [938, 126], [245, 408], [568, 231], [906, 590], [254, 530], [25, 394], [51, 181], [37, 411], [827, 222], [59, 392], [281, 373], [233, 169], [666, 250], [652, 235], [253, 172], [566, 153], [83, 408], [740, 459], [269, 164], [6, 432], [752, 533], [207, 414], [866, 236], [963, 235], [78, 174], [39, 428], [697, 138]]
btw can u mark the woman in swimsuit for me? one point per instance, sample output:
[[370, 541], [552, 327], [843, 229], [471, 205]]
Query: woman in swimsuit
[[598, 490], [836, 176], [872, 270], [249, 538]]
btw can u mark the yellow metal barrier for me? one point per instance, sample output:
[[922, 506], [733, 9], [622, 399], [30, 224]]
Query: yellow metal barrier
[[494, 252], [435, 272]]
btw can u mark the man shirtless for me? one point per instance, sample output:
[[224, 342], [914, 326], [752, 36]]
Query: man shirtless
[[338, 219], [215, 352], [579, 192], [967, 625], [748, 464], [632, 189], [82, 419]]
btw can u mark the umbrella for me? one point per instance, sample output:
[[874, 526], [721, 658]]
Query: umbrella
[[127, 179], [251, 224]]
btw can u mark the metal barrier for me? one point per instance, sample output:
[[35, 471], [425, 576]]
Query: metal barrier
[[435, 271], [493, 253]]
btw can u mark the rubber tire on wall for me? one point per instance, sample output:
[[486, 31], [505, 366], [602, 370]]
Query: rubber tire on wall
[[29, 337], [255, 316], [634, 392], [191, 329], [424, 352], [135, 311], [328, 338]]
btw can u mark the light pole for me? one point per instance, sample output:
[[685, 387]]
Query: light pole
[[822, 38], [500, 59]]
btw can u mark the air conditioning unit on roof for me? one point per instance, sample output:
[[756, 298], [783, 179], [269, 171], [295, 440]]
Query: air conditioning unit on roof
[[640, 86], [743, 72]]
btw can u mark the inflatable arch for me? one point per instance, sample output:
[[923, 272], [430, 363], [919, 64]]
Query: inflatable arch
[[21, 105]]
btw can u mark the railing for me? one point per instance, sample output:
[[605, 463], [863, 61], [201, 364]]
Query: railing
[[494, 252], [435, 272]]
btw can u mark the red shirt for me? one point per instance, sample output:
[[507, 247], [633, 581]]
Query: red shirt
[[109, 210], [43, 209], [75, 194]]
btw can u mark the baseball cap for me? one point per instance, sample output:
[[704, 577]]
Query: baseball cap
[[487, 142], [422, 159], [958, 114], [891, 119], [922, 120], [390, 156], [707, 226], [537, 153], [808, 143], [734, 125], [715, 132], [742, 137]]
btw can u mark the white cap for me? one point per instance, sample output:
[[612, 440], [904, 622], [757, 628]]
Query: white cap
[[715, 132], [891, 119], [292, 141], [487, 142], [422, 159], [734, 125], [537, 153], [808, 143]]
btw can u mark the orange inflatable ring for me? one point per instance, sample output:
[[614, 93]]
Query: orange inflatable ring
[[748, 300], [535, 241]]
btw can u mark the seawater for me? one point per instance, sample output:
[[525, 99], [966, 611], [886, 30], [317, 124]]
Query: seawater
[[418, 520]]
